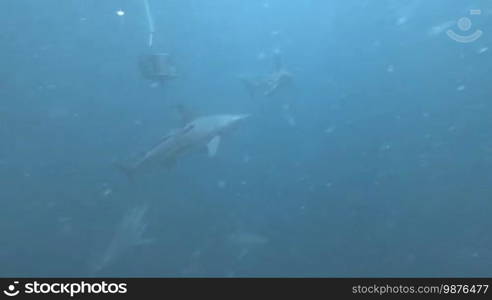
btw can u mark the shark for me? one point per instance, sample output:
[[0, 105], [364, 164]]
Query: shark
[[200, 132], [128, 235]]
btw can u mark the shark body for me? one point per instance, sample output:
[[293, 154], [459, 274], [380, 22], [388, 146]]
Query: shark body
[[203, 131]]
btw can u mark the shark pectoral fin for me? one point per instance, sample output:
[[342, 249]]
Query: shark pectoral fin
[[213, 146]]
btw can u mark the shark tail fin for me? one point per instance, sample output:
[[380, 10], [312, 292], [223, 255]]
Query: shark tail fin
[[126, 169]]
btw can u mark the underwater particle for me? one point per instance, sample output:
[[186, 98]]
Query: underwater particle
[[425, 114], [196, 254], [302, 179], [64, 219], [120, 13], [390, 69], [243, 182], [290, 120], [246, 158], [261, 55], [65, 225], [106, 192], [482, 50], [461, 88], [329, 130], [221, 184], [401, 21], [328, 184], [423, 162], [385, 147]]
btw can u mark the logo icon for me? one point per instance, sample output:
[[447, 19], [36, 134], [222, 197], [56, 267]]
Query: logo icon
[[11, 290], [464, 24]]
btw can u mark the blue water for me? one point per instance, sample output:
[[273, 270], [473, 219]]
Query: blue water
[[376, 161]]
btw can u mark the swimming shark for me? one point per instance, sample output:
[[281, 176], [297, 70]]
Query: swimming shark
[[128, 235], [205, 131]]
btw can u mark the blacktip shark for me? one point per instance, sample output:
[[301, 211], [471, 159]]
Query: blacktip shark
[[195, 134]]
